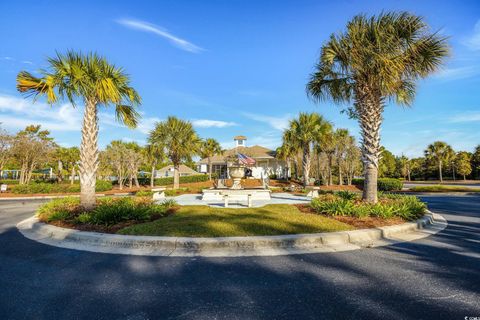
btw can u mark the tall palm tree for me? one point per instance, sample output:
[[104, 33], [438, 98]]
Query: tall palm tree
[[305, 130], [208, 148], [376, 59], [96, 82], [180, 140], [441, 153]]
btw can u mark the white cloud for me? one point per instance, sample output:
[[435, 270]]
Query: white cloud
[[279, 123], [473, 41], [7, 58], [149, 27], [205, 123], [27, 62], [458, 73], [16, 113], [472, 116]]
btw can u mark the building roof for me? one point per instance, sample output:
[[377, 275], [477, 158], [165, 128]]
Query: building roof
[[256, 152], [182, 169], [240, 138]]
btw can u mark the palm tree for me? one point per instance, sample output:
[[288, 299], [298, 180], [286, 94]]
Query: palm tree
[[180, 140], [153, 155], [377, 59], [327, 144], [289, 150], [98, 83], [305, 130], [440, 152], [342, 138], [208, 149], [405, 167]]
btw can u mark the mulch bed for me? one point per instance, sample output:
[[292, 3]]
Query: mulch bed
[[358, 223]]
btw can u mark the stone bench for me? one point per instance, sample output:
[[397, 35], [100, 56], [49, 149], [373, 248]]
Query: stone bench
[[227, 194], [313, 192], [159, 193]]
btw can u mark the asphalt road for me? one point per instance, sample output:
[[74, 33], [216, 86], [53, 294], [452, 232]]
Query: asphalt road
[[434, 278]]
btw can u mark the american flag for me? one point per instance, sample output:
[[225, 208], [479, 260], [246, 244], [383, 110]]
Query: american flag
[[246, 160]]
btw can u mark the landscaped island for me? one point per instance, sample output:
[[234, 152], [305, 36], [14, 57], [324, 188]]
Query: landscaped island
[[140, 215]]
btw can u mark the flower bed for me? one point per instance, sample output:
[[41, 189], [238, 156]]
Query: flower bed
[[109, 215]]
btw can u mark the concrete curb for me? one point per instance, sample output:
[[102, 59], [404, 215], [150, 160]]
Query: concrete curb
[[429, 224]]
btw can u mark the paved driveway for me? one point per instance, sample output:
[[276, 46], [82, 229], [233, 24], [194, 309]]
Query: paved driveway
[[434, 278]]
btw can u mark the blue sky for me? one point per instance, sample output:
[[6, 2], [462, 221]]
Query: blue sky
[[233, 67]]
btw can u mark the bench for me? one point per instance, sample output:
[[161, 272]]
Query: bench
[[159, 193], [227, 194], [313, 192]]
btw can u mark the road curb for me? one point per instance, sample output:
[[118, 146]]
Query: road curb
[[429, 224]]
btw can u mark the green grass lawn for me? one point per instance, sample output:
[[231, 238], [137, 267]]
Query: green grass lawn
[[440, 188], [203, 221]]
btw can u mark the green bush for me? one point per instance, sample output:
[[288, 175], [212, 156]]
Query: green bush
[[59, 209], [383, 184], [144, 193], [109, 211], [184, 179], [389, 206], [389, 184], [176, 192], [43, 187], [9, 181], [347, 195]]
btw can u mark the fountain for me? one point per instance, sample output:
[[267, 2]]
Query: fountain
[[236, 171]]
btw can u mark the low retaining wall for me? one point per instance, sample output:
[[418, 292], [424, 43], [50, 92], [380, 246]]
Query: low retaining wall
[[230, 246]]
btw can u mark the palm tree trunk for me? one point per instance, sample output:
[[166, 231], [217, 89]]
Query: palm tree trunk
[[176, 175], [330, 164], [89, 155], [370, 121], [72, 174], [440, 171], [152, 177], [295, 167], [209, 169], [306, 165], [340, 174]]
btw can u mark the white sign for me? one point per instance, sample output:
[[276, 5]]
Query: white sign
[[3, 188]]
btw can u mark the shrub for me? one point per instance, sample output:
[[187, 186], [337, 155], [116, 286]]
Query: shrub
[[184, 179], [43, 187], [9, 181], [346, 195], [176, 192], [59, 209], [144, 193], [109, 211], [383, 184], [389, 206], [389, 184]]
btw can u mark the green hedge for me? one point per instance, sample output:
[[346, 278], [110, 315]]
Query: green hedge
[[9, 181], [43, 187], [184, 179], [383, 184]]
